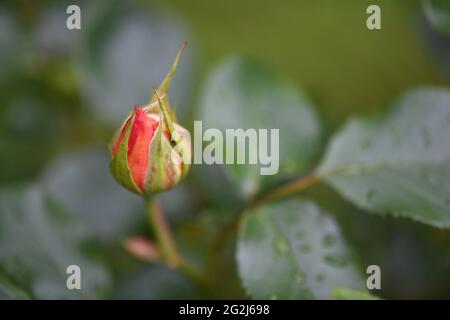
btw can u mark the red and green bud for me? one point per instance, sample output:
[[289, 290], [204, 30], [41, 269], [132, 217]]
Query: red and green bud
[[151, 153], [141, 248]]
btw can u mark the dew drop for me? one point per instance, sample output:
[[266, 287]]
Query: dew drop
[[432, 178], [366, 144], [306, 294], [336, 261], [392, 129], [282, 247], [426, 137], [370, 194], [423, 175], [320, 277], [298, 277], [300, 234], [305, 248], [329, 240], [393, 132]]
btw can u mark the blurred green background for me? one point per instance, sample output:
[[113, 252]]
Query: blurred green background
[[63, 93]]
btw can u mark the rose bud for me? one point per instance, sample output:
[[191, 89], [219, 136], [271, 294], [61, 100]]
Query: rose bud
[[151, 153], [141, 248]]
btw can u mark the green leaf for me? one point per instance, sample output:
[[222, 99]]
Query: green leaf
[[349, 294], [81, 182], [438, 13], [9, 290], [400, 163], [28, 126], [13, 42], [38, 241], [293, 250], [156, 281], [240, 93]]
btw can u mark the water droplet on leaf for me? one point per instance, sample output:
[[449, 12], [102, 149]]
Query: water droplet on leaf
[[370, 194], [298, 277], [366, 144], [305, 248], [426, 137], [329, 240], [336, 261], [282, 246], [320, 277]]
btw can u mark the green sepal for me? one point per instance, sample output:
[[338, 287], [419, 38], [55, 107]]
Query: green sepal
[[117, 133], [165, 85], [119, 164], [175, 137], [160, 153]]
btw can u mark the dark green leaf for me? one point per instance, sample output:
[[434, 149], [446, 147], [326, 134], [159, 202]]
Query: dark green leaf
[[9, 290], [82, 183], [293, 250], [28, 126], [38, 241], [438, 13], [398, 164], [12, 44], [156, 282], [240, 93]]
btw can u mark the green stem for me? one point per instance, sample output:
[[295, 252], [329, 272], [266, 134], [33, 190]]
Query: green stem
[[288, 189], [166, 243], [164, 239]]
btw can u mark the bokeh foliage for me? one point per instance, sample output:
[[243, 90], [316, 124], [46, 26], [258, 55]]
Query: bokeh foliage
[[63, 93]]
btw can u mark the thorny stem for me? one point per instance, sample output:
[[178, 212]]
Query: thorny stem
[[168, 250]]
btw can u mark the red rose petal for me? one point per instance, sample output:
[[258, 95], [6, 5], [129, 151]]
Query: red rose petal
[[142, 131]]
